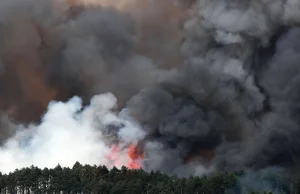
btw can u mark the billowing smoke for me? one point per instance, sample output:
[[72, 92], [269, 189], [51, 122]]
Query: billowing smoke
[[70, 133], [57, 49], [202, 85]]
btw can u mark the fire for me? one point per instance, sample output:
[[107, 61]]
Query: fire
[[132, 160], [136, 158], [114, 156]]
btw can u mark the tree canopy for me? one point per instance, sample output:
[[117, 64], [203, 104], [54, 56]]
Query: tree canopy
[[87, 179]]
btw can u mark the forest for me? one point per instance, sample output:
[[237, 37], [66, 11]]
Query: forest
[[87, 179]]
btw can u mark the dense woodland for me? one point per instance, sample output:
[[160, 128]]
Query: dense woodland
[[86, 179]]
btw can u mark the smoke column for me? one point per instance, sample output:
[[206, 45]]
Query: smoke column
[[70, 133], [185, 87]]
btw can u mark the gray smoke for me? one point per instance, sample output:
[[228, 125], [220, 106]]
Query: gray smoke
[[53, 50], [277, 141], [236, 94], [7, 127], [100, 46]]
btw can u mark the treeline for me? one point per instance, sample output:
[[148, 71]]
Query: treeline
[[86, 179]]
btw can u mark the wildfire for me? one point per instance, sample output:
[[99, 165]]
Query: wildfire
[[132, 160], [135, 157]]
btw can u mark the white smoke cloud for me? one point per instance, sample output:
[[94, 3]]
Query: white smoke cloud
[[68, 134]]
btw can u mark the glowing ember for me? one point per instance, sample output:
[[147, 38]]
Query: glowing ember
[[133, 158]]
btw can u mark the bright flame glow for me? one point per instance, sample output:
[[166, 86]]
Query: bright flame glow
[[133, 159]]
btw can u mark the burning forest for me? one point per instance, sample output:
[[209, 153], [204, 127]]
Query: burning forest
[[184, 87]]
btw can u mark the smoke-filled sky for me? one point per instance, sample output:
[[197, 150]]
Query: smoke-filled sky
[[185, 87]]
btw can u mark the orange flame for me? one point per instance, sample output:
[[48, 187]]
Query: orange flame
[[134, 158]]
